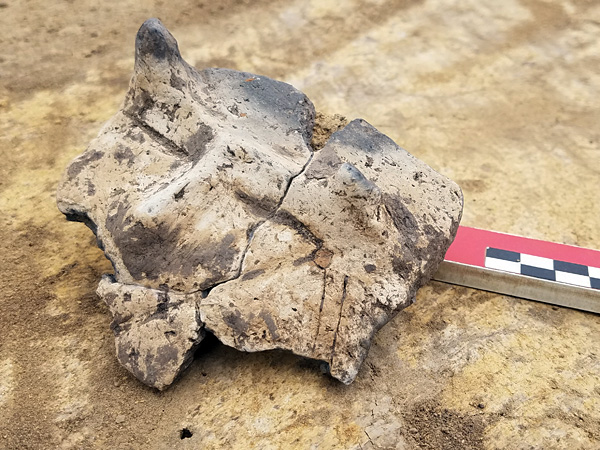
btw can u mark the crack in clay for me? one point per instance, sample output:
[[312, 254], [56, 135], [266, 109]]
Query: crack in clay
[[369, 438], [251, 233], [339, 319], [320, 309]]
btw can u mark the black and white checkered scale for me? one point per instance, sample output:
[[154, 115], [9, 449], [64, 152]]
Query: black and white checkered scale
[[544, 268]]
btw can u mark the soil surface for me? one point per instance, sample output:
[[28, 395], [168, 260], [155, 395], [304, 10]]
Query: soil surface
[[502, 97]]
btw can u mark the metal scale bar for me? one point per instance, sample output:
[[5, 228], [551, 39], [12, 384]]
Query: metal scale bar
[[532, 269]]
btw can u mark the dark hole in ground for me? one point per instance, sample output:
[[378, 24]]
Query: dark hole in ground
[[208, 344], [185, 433]]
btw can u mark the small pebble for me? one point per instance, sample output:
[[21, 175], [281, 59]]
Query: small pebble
[[120, 418]]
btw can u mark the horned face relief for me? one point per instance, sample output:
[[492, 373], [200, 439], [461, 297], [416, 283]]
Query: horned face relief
[[219, 216]]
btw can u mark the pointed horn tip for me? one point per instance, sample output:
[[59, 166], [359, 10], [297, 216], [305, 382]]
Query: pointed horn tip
[[153, 39]]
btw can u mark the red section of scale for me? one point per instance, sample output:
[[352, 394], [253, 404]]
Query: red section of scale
[[470, 245]]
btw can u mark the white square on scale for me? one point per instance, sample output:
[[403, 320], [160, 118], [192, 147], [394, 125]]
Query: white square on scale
[[537, 261], [572, 278], [501, 264], [594, 272]]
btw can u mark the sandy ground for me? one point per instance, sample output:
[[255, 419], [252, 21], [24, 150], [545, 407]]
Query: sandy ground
[[500, 96]]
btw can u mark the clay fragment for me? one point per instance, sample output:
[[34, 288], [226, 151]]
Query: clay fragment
[[220, 216]]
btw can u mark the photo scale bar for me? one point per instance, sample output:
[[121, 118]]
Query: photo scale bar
[[527, 268], [544, 268]]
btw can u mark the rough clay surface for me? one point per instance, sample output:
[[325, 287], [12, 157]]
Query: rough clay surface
[[501, 97], [217, 214]]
